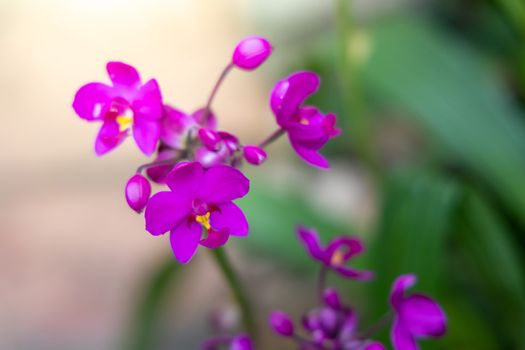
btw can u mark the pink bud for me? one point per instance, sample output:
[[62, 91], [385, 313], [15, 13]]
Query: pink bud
[[281, 323], [209, 138], [251, 52], [331, 298], [138, 190], [254, 155]]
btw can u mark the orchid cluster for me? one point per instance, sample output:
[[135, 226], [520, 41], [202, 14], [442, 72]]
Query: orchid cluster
[[334, 325], [200, 165]]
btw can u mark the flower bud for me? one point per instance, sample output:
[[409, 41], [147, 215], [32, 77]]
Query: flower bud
[[209, 138], [331, 298], [138, 190], [242, 342], [254, 155], [251, 52], [281, 323]]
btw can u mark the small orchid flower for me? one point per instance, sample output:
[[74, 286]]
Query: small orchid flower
[[330, 326], [239, 342], [177, 125], [416, 316], [126, 105], [219, 149], [308, 128], [200, 200], [339, 251]]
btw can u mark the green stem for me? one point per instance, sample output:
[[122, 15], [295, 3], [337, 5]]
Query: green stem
[[237, 289], [353, 102]]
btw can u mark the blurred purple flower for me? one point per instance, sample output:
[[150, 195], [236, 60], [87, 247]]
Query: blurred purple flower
[[308, 128], [127, 104], [199, 198], [339, 251], [177, 125], [331, 326], [416, 316], [251, 52], [240, 342], [222, 150]]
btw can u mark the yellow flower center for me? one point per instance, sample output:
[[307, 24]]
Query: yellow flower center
[[124, 122], [204, 220], [304, 121], [337, 258]]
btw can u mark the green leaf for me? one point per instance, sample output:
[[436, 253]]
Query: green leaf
[[492, 268], [456, 96], [143, 333]]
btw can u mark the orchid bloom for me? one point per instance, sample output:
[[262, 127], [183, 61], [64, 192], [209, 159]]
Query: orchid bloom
[[125, 105], [331, 326], [200, 200], [308, 128], [416, 316], [334, 256]]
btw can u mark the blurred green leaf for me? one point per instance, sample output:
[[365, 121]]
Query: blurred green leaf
[[274, 216], [492, 268], [143, 334], [416, 215], [456, 96]]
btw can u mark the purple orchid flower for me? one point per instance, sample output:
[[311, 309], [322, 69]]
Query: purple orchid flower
[[333, 326], [240, 342], [340, 250], [177, 125], [127, 104], [199, 199], [308, 128], [222, 150], [416, 316]]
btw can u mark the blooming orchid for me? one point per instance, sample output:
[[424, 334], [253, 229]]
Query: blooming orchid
[[332, 326], [416, 316], [339, 251], [308, 128], [126, 105], [200, 200]]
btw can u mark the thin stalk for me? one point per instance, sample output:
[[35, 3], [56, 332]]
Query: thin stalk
[[274, 136], [237, 290], [214, 91], [321, 282], [376, 327], [353, 102]]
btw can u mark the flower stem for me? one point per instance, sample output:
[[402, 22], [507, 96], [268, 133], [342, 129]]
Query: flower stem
[[376, 327], [321, 282], [170, 161], [218, 84], [237, 289], [274, 136]]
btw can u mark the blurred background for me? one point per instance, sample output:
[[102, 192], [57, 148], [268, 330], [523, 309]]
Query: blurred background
[[430, 169]]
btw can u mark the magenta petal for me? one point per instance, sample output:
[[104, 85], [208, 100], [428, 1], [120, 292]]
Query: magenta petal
[[289, 93], [159, 173], [209, 123], [231, 218], [251, 52], [312, 157], [175, 126], [374, 346], [346, 246], [353, 273], [223, 183], [242, 342], [422, 316], [146, 135], [215, 239], [165, 210], [109, 137], [147, 103], [399, 286], [137, 191], [184, 240], [310, 240], [185, 179], [123, 74], [91, 100], [401, 338]]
